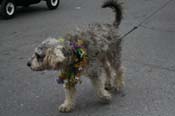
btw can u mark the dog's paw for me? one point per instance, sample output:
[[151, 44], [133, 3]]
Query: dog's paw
[[105, 97], [119, 86], [65, 108]]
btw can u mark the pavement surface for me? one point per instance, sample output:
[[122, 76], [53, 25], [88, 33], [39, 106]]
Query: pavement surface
[[148, 55]]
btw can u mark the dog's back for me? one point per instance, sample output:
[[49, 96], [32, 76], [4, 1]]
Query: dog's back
[[101, 37]]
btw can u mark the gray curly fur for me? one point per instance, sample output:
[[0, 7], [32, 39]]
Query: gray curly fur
[[103, 45], [101, 40]]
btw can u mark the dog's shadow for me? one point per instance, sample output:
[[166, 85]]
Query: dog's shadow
[[88, 102], [91, 103]]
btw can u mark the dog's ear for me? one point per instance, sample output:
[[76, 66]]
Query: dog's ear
[[59, 54]]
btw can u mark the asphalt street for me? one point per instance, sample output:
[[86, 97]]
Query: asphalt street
[[148, 55]]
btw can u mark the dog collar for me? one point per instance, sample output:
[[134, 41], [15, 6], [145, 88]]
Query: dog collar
[[79, 59]]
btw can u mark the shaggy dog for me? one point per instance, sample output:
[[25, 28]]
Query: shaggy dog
[[87, 51]]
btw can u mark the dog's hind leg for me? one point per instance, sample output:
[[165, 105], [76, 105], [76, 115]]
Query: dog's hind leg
[[108, 71], [98, 84], [118, 78], [103, 94], [68, 104], [114, 57], [119, 82]]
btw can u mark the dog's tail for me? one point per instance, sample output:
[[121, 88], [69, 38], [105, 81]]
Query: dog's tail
[[114, 4]]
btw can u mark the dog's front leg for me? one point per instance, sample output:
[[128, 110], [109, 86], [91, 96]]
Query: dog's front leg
[[68, 104]]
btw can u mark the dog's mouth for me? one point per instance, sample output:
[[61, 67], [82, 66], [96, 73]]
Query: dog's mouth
[[36, 69], [32, 68]]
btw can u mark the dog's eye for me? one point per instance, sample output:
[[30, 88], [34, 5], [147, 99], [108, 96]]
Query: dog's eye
[[39, 57]]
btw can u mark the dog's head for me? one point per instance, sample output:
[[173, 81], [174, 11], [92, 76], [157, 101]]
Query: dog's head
[[47, 56]]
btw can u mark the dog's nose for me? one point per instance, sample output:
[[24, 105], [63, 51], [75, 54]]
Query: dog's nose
[[29, 64]]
